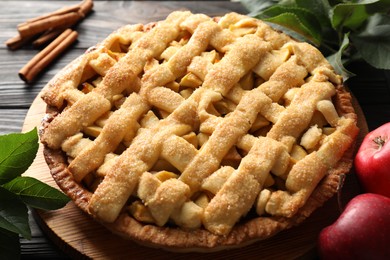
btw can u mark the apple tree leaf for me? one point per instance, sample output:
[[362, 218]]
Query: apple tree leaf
[[256, 6], [37, 194], [296, 19], [18, 151], [373, 44], [13, 214], [350, 14], [320, 8], [9, 245], [336, 59]]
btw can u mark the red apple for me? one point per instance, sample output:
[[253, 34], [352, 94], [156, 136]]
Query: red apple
[[361, 232], [372, 161]]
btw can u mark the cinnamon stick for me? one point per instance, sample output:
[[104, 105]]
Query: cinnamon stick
[[28, 29], [17, 41], [86, 7], [50, 34], [63, 18], [63, 10], [47, 37], [56, 25], [47, 55]]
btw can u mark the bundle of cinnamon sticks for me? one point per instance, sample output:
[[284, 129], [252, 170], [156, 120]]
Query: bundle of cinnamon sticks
[[53, 30]]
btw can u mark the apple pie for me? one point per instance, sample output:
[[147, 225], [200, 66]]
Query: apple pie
[[198, 133]]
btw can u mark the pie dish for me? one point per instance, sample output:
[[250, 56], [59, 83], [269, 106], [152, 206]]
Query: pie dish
[[197, 133]]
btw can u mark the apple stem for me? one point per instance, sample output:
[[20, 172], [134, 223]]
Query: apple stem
[[379, 141]]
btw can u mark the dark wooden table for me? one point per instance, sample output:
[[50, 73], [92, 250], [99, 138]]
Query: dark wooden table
[[371, 87]]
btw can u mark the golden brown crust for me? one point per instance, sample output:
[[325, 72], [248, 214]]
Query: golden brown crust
[[246, 104], [176, 239]]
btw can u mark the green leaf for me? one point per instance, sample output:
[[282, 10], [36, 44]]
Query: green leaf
[[336, 60], [294, 18], [13, 214], [36, 193], [373, 44], [9, 245], [256, 6], [320, 8], [17, 153], [350, 14]]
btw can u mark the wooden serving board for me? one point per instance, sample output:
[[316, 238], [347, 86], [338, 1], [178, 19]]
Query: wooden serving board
[[81, 237]]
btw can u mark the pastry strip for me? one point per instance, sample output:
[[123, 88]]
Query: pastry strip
[[306, 174], [120, 182], [89, 108], [118, 125], [296, 118], [239, 192]]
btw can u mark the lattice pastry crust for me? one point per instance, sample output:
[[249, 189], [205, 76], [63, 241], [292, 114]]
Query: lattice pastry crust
[[196, 132]]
